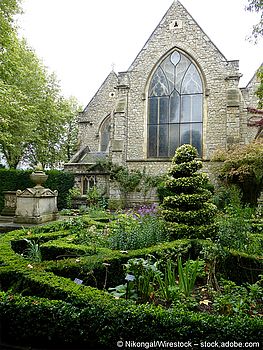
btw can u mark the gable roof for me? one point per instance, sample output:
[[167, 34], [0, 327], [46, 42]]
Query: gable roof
[[175, 8], [111, 78]]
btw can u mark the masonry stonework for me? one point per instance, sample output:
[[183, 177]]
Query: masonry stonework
[[123, 98]]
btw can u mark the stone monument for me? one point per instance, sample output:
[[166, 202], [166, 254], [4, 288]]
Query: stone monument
[[10, 203], [38, 204]]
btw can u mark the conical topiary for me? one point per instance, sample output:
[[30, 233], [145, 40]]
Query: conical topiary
[[186, 206]]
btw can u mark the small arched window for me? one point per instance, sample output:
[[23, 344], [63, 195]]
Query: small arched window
[[105, 134], [175, 106]]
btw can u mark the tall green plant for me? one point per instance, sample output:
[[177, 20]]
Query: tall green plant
[[33, 252], [186, 205], [187, 275]]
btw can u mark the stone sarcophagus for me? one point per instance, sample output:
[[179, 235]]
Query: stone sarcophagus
[[36, 205]]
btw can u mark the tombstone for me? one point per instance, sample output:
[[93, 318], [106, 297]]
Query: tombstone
[[38, 204], [9, 203]]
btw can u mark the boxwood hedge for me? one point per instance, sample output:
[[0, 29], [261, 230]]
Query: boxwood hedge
[[42, 306]]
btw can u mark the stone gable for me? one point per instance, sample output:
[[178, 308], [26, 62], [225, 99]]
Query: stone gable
[[124, 97]]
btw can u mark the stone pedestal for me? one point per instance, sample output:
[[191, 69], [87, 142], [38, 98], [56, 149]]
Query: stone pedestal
[[36, 205], [10, 203]]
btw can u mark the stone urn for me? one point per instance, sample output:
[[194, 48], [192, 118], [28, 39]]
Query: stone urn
[[39, 178]]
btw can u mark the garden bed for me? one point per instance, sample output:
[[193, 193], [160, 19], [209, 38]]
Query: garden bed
[[42, 301]]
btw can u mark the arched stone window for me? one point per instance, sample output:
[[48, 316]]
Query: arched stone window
[[175, 106], [105, 134], [87, 183]]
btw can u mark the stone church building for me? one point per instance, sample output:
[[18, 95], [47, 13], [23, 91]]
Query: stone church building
[[179, 89]]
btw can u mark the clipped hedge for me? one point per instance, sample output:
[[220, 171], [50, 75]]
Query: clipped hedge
[[45, 307], [13, 180], [103, 321]]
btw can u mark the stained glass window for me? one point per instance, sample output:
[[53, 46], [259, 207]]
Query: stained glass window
[[105, 134], [175, 106]]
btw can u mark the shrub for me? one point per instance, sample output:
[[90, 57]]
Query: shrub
[[185, 205], [243, 167], [46, 306], [133, 232]]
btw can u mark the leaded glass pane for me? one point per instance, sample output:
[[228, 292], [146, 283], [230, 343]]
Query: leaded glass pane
[[197, 137], [159, 85], [164, 110], [175, 57], [152, 145], [163, 140], [181, 69], [191, 108], [169, 71], [185, 134], [197, 108], [174, 107], [174, 138], [192, 82], [153, 110], [105, 135], [186, 115]]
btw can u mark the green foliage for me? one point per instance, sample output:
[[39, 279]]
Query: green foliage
[[178, 287], [96, 198], [62, 182], [167, 283], [185, 203], [256, 6], [129, 181], [144, 273], [66, 315], [234, 299], [91, 236], [55, 139], [37, 124], [243, 167], [259, 91], [187, 276], [32, 252], [101, 325], [72, 193], [234, 227], [227, 195], [134, 232]]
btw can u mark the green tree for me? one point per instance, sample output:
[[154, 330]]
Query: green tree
[[256, 6], [69, 140], [22, 81], [55, 140], [36, 122], [243, 166], [186, 205]]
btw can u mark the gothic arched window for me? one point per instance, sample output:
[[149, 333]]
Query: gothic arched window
[[175, 106], [105, 134]]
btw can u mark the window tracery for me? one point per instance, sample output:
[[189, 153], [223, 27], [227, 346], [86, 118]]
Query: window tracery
[[175, 106]]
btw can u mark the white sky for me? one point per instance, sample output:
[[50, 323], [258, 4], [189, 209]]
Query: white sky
[[79, 40]]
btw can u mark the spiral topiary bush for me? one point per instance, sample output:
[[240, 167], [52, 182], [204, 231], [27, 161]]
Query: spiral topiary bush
[[186, 206]]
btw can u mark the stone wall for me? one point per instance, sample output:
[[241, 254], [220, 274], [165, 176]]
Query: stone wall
[[102, 105], [124, 96]]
